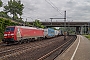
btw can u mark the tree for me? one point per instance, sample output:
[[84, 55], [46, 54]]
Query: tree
[[37, 23], [1, 3], [20, 20], [4, 14], [1, 25], [14, 7]]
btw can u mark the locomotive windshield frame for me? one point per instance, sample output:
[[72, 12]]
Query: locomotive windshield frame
[[10, 29]]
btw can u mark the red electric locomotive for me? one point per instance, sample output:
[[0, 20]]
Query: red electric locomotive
[[20, 33]]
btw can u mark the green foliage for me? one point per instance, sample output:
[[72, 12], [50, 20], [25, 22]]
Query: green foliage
[[87, 36], [15, 8], [42, 26], [37, 23], [1, 3], [4, 14], [19, 20], [28, 24], [3, 24]]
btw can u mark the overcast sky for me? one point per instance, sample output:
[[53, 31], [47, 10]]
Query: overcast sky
[[77, 10]]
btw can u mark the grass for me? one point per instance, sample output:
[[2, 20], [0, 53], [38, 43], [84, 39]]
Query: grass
[[87, 36]]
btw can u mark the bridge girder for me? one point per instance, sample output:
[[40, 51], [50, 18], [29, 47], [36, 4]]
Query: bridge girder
[[61, 24]]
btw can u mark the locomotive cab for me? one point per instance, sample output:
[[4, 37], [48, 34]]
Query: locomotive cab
[[9, 35]]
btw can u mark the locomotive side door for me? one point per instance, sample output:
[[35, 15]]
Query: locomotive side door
[[18, 34]]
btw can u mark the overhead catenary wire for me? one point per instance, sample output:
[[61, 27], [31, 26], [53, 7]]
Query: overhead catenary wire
[[54, 7]]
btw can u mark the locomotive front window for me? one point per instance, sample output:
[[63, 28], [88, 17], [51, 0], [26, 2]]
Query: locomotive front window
[[10, 29]]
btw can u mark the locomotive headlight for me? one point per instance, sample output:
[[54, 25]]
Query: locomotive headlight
[[5, 34], [9, 34], [12, 34]]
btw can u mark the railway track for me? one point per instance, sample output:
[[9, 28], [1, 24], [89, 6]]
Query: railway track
[[59, 50], [20, 52], [6, 48], [14, 50]]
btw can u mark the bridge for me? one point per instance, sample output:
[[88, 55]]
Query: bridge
[[61, 24], [78, 25]]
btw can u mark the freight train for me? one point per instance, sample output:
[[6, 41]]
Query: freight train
[[20, 34]]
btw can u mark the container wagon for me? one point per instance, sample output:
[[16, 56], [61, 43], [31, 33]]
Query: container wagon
[[49, 32], [56, 32]]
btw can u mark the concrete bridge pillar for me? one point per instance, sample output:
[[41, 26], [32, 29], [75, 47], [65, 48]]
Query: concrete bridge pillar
[[78, 30], [81, 30], [86, 30]]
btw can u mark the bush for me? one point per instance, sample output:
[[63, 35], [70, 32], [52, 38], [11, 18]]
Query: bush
[[3, 24], [1, 36]]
